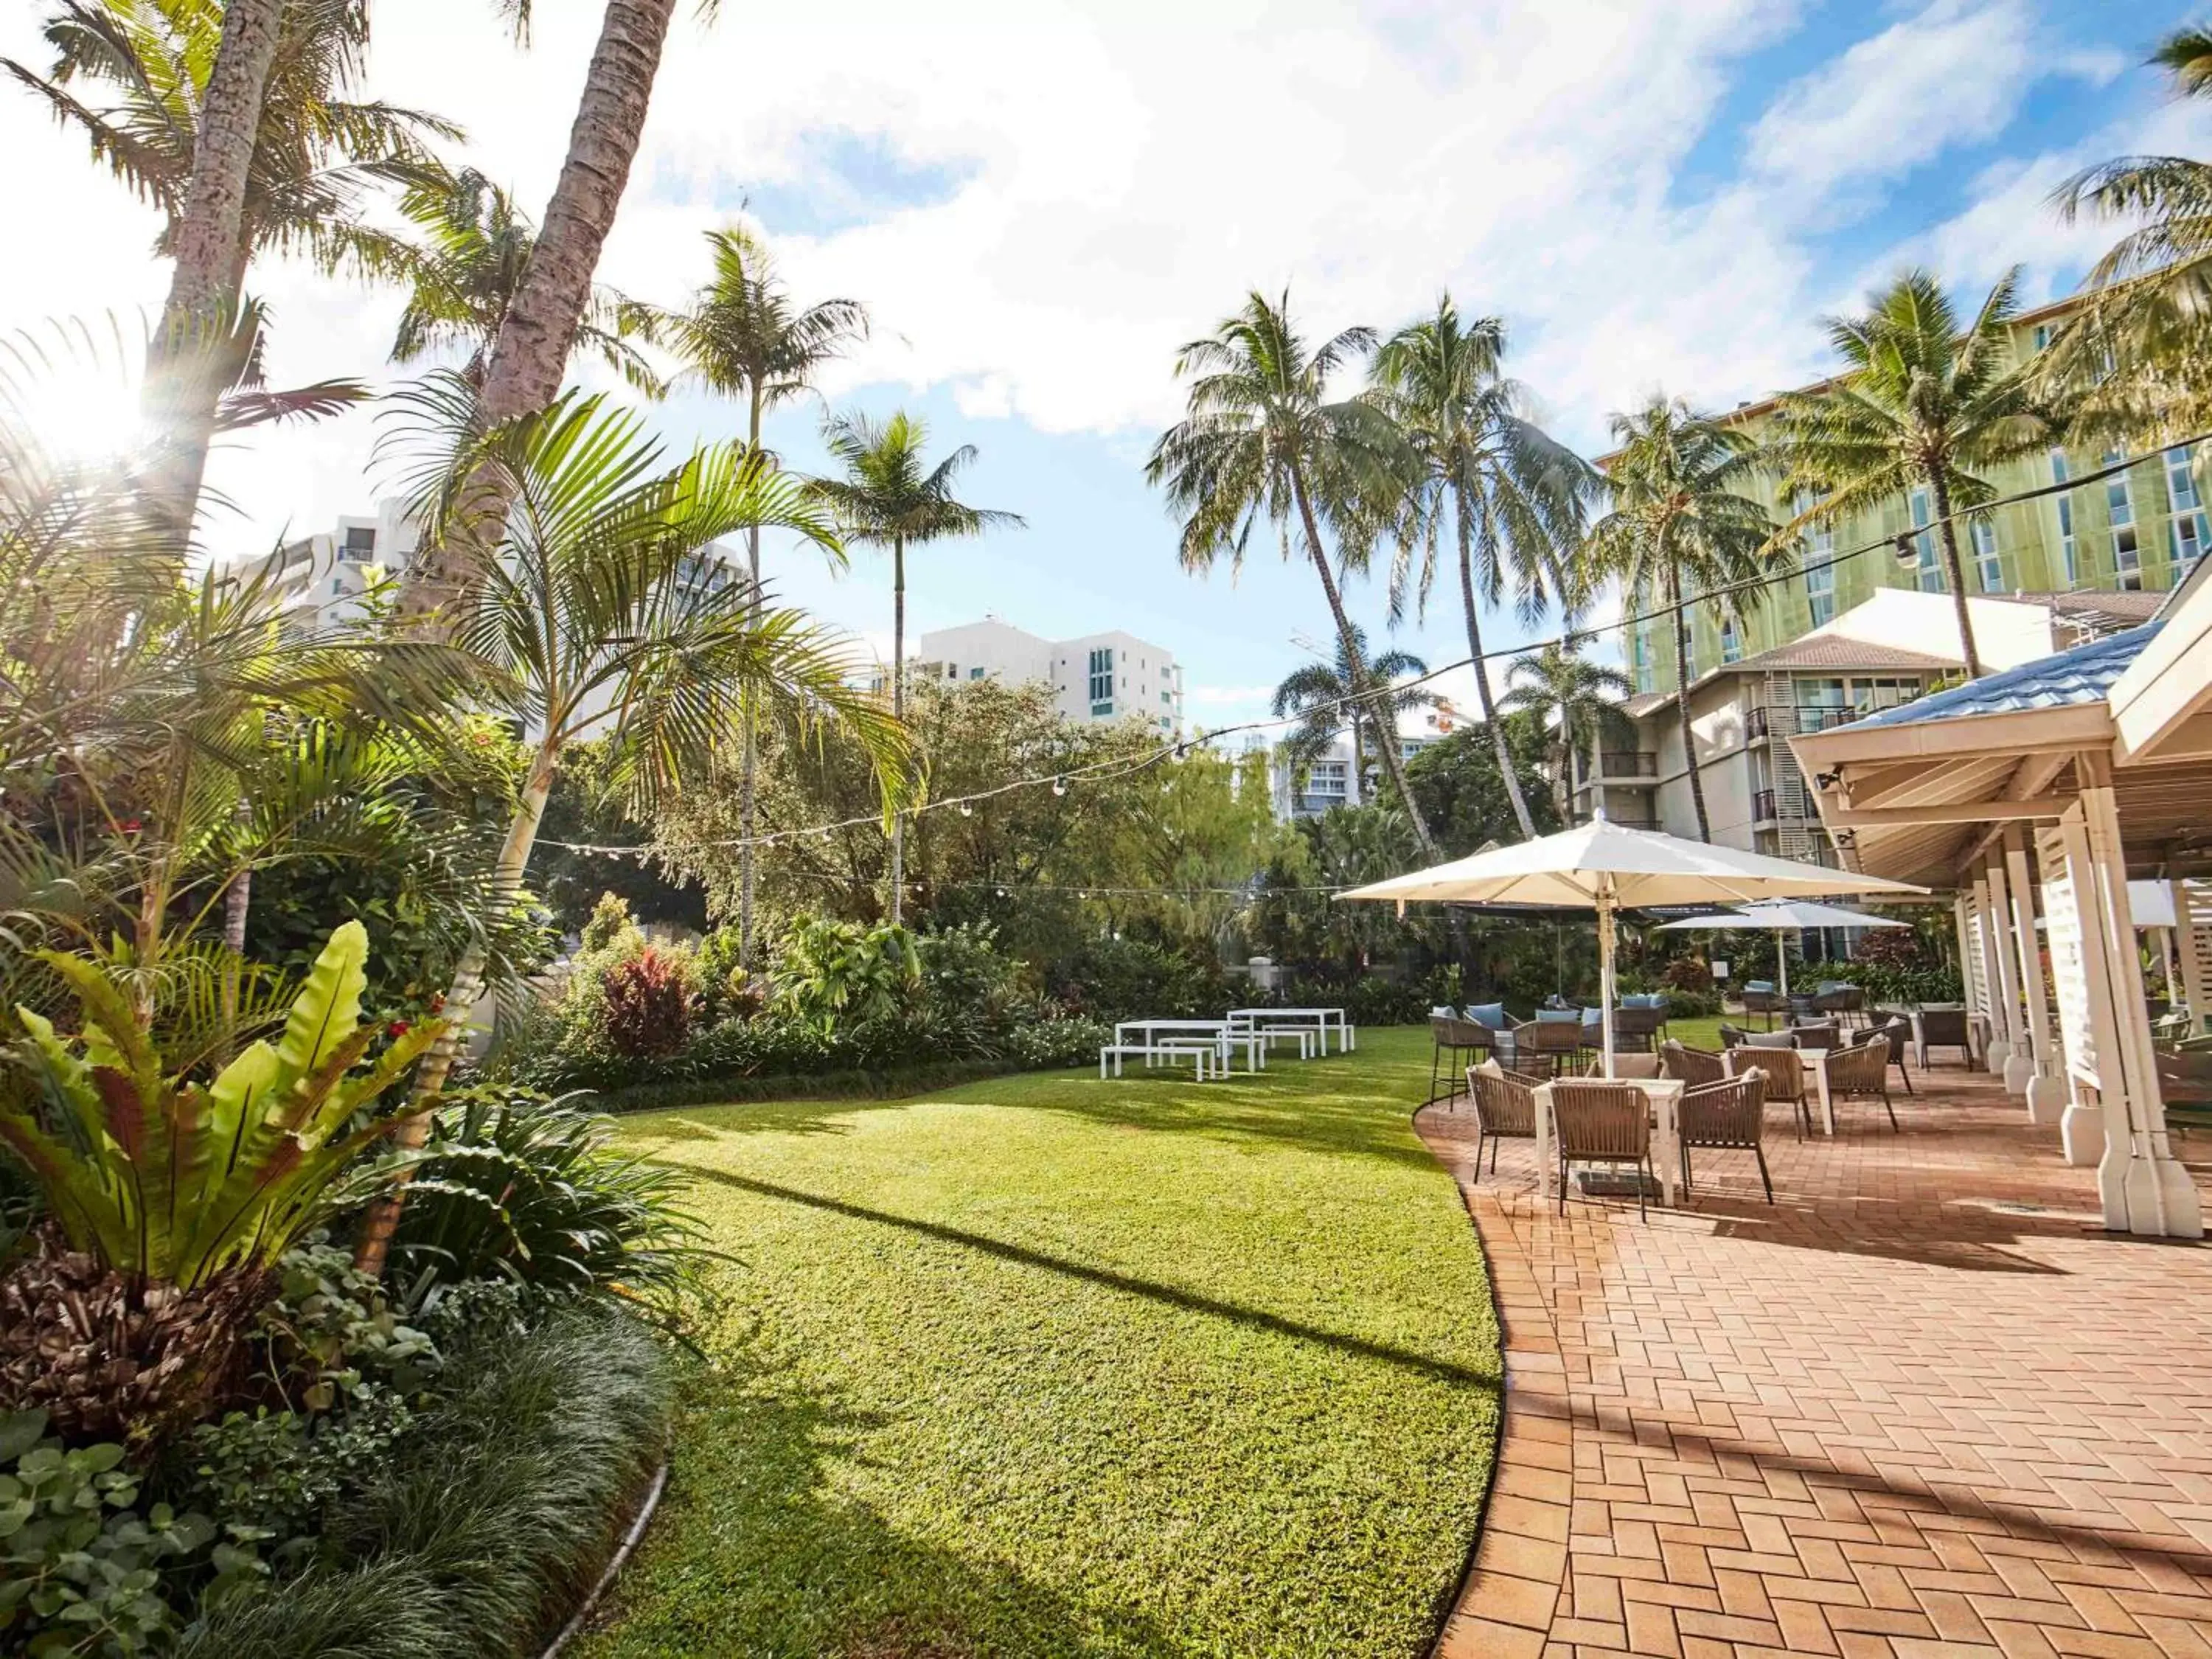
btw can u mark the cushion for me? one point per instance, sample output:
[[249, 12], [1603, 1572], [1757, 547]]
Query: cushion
[[1828, 985], [1443, 1010], [1492, 1014], [1653, 1001], [1758, 985], [1559, 1016]]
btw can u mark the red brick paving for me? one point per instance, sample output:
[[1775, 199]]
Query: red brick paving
[[1920, 1406]]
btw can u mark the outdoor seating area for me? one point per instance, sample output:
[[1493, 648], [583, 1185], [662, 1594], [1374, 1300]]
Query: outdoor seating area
[[1212, 1046]]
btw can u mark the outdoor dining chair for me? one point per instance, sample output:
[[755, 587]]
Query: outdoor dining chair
[[1454, 1045], [1694, 1066], [1725, 1116], [1546, 1046], [1862, 1073], [1732, 1037], [1843, 1002], [1760, 997], [1947, 1028], [1635, 1025], [1504, 1109], [1897, 1031], [1786, 1082], [1596, 1122], [1818, 1035]]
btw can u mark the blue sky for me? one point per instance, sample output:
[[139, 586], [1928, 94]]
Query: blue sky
[[1040, 203]]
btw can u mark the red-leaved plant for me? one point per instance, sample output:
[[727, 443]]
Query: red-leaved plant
[[647, 1001]]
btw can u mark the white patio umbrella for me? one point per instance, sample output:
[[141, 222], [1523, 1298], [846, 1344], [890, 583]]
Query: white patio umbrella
[[1603, 867], [1781, 916]]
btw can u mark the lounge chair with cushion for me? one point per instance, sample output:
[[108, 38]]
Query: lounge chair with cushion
[[1596, 1122], [1731, 1115]]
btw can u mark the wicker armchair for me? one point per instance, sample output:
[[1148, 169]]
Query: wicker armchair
[[1786, 1081], [1692, 1066], [1732, 1037], [1818, 1035], [1634, 1028], [1760, 998], [1947, 1028], [1454, 1045], [1601, 1123], [1504, 1109], [1545, 1046], [1842, 1003], [1897, 1031], [1730, 1114], [1862, 1073]]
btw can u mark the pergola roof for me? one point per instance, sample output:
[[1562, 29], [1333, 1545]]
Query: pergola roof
[[2082, 675]]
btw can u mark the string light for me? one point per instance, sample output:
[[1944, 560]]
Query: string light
[[1059, 786]]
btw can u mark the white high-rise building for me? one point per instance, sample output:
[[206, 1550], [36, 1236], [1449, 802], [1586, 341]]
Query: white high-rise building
[[1109, 676], [319, 579]]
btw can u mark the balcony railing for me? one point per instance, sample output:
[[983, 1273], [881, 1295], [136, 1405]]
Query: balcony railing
[[1762, 806], [1786, 721], [1627, 764]]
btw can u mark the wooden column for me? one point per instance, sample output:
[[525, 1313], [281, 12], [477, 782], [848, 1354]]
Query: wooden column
[[1992, 984], [2046, 1087], [2020, 1060]]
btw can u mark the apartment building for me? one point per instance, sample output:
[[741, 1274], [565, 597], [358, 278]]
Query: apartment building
[[1893, 647], [2136, 531], [1109, 676], [1333, 779]]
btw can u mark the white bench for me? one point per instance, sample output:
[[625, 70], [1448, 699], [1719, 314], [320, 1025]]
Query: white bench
[[1196, 1050]]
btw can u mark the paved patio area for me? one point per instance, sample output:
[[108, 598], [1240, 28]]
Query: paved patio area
[[1921, 1405]]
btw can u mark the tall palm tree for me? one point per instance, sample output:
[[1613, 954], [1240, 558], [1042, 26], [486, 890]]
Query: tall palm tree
[[1515, 498], [743, 337], [1920, 401], [2136, 353], [1570, 697], [137, 79], [1264, 439], [475, 244], [589, 606], [1679, 529], [1322, 692], [890, 496]]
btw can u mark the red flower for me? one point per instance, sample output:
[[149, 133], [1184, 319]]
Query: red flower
[[398, 1028], [130, 826], [438, 1003]]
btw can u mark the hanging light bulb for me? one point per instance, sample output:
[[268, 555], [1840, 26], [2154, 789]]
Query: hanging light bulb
[[1059, 786], [966, 810], [1002, 892]]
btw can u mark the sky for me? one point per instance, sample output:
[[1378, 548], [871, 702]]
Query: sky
[[1040, 202]]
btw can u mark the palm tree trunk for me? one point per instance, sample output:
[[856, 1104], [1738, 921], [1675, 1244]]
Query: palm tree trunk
[[529, 356], [210, 246], [1682, 701], [898, 710], [1357, 794], [382, 1219], [749, 783], [1385, 739], [1956, 573], [1482, 677]]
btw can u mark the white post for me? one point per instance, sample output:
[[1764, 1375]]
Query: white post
[[2020, 1062], [2069, 906], [2046, 1089], [2161, 1198], [1605, 970], [2196, 991], [1993, 1007]]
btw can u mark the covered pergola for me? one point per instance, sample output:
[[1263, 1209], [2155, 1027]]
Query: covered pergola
[[2041, 790]]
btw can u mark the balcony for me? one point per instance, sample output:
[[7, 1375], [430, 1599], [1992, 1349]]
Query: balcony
[[1619, 767], [1762, 722], [1762, 806]]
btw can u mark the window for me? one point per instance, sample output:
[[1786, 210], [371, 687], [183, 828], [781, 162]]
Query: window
[[1930, 573], [1989, 569], [1731, 642], [974, 673], [1167, 699], [2191, 532], [1640, 652], [1870, 696], [2069, 553], [952, 670], [1105, 707], [2127, 542], [338, 586], [360, 542], [2043, 331], [1819, 547], [1102, 679]]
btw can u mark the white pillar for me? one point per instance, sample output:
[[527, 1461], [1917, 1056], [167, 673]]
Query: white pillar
[[2076, 978], [1993, 1007], [2019, 1060], [2046, 1087], [2194, 990]]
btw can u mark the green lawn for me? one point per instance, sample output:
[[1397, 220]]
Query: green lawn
[[1049, 1367]]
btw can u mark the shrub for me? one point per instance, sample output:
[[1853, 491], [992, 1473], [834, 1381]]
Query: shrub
[[1113, 979], [725, 990], [645, 1003], [1047, 1044], [839, 972], [1693, 1005], [1885, 983], [1691, 974]]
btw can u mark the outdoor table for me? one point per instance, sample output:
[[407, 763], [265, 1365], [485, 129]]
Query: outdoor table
[[1665, 1094], [1321, 1018], [1217, 1031], [1815, 1062]]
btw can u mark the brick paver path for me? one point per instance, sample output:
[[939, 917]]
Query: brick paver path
[[1919, 1405]]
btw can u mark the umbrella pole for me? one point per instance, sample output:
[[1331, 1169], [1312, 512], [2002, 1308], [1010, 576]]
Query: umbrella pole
[[1604, 974], [1781, 961]]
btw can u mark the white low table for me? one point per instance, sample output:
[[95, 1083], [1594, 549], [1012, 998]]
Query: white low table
[[1164, 1036], [1321, 1019], [1815, 1062], [1665, 1094]]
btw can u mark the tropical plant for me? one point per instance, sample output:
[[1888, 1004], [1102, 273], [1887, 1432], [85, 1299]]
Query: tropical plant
[[593, 602], [1516, 497], [743, 337], [1322, 693], [1572, 698], [1679, 531], [839, 973], [176, 1191], [2134, 357], [890, 496], [1922, 401], [647, 1003], [1262, 438], [476, 245]]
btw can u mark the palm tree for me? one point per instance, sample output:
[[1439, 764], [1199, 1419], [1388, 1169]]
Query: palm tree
[[1569, 695], [1264, 439], [1322, 693], [311, 159], [476, 245], [1680, 530], [890, 496], [743, 338], [1514, 496], [590, 607], [1920, 402], [2136, 354]]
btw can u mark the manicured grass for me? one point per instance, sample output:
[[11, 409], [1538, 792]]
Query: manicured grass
[[1045, 1366]]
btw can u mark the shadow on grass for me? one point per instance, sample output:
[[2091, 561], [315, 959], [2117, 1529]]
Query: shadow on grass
[[760, 1553], [1425, 1364]]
